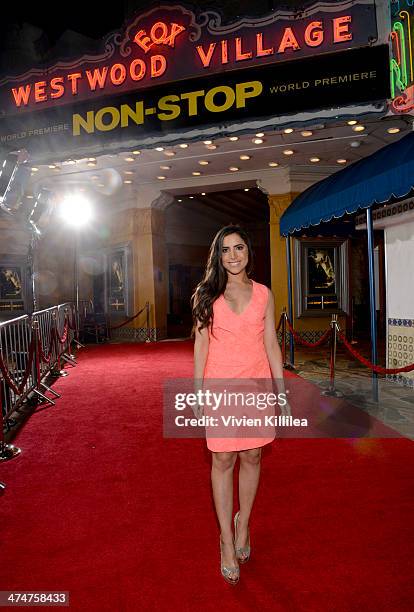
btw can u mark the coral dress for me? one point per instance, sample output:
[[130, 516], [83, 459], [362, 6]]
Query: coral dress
[[236, 351]]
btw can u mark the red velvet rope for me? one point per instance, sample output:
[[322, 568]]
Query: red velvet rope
[[18, 390], [321, 340], [42, 355], [62, 339], [128, 320], [375, 368]]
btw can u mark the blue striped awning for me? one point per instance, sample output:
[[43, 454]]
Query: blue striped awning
[[385, 175]]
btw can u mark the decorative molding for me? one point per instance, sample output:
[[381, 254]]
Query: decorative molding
[[387, 213]]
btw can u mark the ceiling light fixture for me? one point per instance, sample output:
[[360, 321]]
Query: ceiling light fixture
[[307, 133], [245, 157], [341, 161], [352, 122], [136, 152], [160, 178], [234, 138], [165, 167], [258, 140], [260, 134], [288, 130], [233, 169], [207, 142], [358, 128], [391, 130], [203, 162], [169, 153], [273, 164], [314, 160], [288, 152], [196, 173], [129, 159], [211, 147], [246, 189], [159, 149], [183, 145]]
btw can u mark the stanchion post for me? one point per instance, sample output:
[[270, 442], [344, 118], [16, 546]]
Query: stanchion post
[[284, 336], [147, 308], [7, 451], [57, 370], [38, 375], [331, 391]]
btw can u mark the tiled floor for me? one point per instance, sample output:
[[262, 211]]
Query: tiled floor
[[395, 406]]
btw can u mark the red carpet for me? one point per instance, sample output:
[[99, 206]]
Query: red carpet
[[99, 504]]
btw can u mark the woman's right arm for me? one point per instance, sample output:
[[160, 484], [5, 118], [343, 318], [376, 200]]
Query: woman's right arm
[[201, 343]]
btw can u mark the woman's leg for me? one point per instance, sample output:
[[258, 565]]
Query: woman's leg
[[249, 475], [222, 483]]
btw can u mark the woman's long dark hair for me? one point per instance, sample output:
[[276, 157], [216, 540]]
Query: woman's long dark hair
[[214, 280]]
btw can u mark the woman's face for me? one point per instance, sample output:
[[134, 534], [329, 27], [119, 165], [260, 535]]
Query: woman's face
[[234, 254]]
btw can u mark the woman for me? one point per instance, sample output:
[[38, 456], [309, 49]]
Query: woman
[[235, 338]]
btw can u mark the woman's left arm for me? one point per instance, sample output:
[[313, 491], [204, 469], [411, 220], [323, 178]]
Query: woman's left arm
[[271, 344]]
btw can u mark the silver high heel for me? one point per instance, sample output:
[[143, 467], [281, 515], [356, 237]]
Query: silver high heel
[[227, 572], [242, 552]]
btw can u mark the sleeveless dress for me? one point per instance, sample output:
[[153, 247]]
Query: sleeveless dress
[[236, 351]]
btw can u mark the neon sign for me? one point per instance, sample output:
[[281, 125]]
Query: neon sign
[[171, 43], [401, 63]]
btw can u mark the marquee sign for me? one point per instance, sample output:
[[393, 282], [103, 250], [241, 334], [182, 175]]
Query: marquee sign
[[171, 73], [171, 43]]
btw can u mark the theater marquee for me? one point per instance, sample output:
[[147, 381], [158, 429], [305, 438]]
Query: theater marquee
[[171, 71]]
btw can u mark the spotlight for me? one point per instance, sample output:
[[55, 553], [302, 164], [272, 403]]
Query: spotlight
[[75, 210], [14, 174]]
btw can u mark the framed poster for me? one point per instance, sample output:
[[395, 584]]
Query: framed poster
[[117, 281], [322, 276], [11, 287]]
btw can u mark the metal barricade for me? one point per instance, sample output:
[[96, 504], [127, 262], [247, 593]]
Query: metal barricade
[[30, 349]]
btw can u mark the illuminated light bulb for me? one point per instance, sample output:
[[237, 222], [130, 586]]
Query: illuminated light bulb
[[391, 130], [191, 197], [136, 152], [257, 140], [180, 200], [52, 166], [160, 178], [260, 134], [127, 182], [165, 167], [160, 149], [288, 130], [246, 189], [314, 160], [183, 145], [207, 142], [273, 164], [288, 152], [307, 133], [203, 162], [203, 193], [169, 153], [358, 128], [244, 157], [196, 173], [352, 122], [234, 138], [211, 147], [129, 159], [34, 169], [29, 197], [233, 169], [341, 161], [91, 158]]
